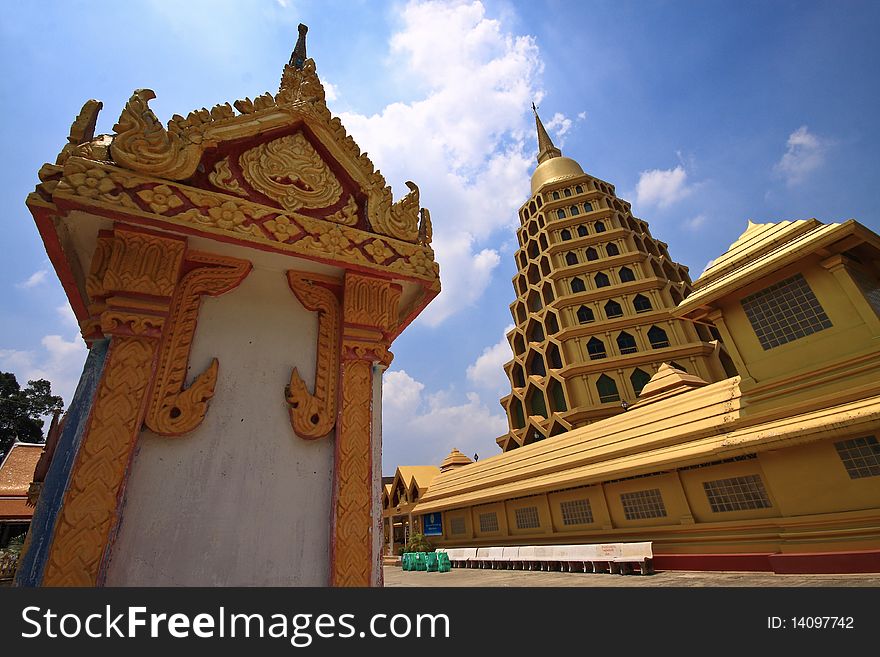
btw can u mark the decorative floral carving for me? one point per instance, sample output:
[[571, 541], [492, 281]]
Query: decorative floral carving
[[160, 198], [290, 171], [222, 178], [282, 228], [300, 85], [314, 415], [91, 183], [379, 251], [347, 216]]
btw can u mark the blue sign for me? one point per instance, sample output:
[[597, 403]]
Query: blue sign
[[433, 523]]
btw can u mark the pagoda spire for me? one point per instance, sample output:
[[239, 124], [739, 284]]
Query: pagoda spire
[[298, 57], [546, 149]]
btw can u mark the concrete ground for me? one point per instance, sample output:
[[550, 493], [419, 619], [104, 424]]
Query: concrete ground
[[467, 577]]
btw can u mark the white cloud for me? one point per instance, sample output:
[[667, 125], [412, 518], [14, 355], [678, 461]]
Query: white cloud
[[662, 187], [467, 139], [331, 91], [559, 125], [582, 116], [34, 279], [695, 222], [805, 153], [421, 428], [488, 371], [60, 362]]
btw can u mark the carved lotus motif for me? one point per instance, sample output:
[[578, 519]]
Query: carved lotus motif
[[290, 171]]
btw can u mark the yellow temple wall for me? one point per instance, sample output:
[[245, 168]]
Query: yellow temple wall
[[814, 506], [848, 335]]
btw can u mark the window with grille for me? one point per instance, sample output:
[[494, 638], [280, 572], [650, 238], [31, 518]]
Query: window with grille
[[579, 189], [457, 525], [612, 250], [643, 504], [527, 518], [585, 315], [860, 456], [582, 231], [627, 275], [600, 227], [596, 349], [488, 522], [602, 280], [560, 214], [576, 512], [613, 309], [592, 254], [657, 337], [607, 389], [555, 196], [641, 303], [574, 211], [639, 379], [571, 258], [737, 494], [577, 285], [626, 343], [588, 207], [565, 234], [785, 312], [870, 287], [567, 192]]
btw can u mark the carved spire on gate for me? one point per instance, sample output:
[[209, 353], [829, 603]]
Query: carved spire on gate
[[546, 149]]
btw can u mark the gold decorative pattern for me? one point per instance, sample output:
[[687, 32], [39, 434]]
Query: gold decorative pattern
[[142, 144], [222, 178], [88, 512], [290, 171], [371, 302], [220, 213], [314, 415], [143, 263], [172, 410], [82, 129], [369, 310], [352, 544], [347, 216]]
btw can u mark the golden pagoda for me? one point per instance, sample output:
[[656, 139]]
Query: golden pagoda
[[593, 308]]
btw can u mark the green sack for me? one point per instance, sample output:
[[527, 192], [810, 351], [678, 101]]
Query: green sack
[[443, 563], [406, 561], [431, 562], [419, 558]]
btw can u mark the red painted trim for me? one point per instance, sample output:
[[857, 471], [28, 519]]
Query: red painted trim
[[857, 561], [46, 227]]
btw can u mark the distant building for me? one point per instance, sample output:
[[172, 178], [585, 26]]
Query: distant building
[[758, 451], [16, 474]]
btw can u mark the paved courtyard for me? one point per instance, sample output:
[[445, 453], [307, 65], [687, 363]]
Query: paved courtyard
[[467, 577]]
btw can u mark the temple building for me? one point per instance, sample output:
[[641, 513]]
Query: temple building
[[594, 293], [750, 439]]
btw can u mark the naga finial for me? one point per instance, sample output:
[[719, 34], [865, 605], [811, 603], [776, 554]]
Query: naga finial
[[298, 57]]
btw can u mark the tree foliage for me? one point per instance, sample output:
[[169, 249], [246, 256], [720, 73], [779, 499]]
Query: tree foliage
[[22, 409]]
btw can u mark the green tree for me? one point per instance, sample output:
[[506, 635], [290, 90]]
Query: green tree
[[21, 410]]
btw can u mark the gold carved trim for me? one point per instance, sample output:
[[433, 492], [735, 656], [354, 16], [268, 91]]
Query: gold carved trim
[[314, 415], [352, 544], [290, 171], [369, 315], [100, 187], [172, 409], [88, 512]]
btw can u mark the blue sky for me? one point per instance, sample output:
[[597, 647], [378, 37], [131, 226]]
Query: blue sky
[[702, 114]]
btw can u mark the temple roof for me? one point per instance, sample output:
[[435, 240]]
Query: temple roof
[[454, 459], [765, 248], [423, 474], [552, 165], [17, 470]]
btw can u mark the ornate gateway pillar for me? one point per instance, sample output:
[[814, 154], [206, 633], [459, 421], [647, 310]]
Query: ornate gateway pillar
[[239, 278]]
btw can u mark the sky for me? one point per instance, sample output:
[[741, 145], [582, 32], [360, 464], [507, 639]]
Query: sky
[[703, 114]]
